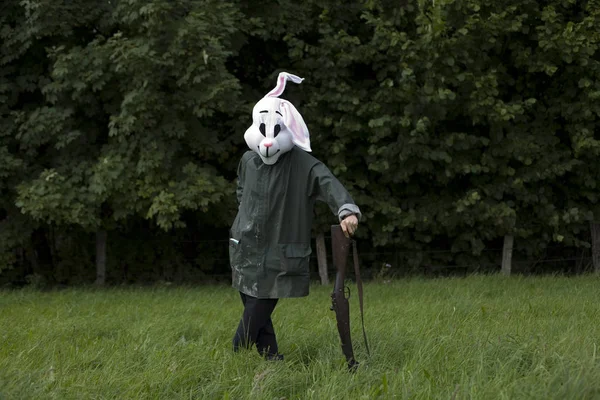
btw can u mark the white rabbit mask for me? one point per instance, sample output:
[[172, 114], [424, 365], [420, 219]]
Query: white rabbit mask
[[276, 124]]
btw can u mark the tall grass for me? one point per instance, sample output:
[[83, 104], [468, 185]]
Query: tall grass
[[456, 338]]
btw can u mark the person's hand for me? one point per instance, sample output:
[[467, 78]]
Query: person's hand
[[349, 225]]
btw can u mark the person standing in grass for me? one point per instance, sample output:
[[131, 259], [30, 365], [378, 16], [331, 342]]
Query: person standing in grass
[[278, 185]]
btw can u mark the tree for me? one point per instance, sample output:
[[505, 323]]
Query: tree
[[127, 123], [457, 108], [452, 122]]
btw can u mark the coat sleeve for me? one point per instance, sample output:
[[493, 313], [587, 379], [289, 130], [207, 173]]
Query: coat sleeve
[[326, 187], [239, 191]]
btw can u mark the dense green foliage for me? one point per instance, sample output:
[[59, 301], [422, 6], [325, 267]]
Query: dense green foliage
[[474, 338], [452, 123]]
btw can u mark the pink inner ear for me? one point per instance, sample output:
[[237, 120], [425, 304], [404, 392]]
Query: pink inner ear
[[295, 124], [282, 78], [280, 86]]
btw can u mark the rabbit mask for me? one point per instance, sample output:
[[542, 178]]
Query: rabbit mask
[[276, 124]]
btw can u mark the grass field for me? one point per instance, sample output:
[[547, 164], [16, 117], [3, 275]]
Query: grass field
[[453, 338]]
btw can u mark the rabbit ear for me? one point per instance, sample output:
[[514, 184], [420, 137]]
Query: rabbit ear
[[295, 124], [281, 81], [291, 117]]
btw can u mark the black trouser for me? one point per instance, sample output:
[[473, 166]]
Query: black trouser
[[256, 326]]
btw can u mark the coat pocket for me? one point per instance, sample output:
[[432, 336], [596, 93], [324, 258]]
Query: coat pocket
[[234, 253], [295, 258]]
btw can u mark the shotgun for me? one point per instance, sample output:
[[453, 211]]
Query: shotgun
[[340, 245]]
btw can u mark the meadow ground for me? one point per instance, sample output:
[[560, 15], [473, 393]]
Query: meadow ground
[[480, 337]]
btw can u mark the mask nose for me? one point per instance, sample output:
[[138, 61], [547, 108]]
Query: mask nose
[[268, 143]]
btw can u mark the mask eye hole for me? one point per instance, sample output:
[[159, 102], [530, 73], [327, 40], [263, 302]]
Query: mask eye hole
[[262, 130], [276, 130]]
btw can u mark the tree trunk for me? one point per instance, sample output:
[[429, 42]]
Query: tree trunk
[[33, 259], [41, 256], [101, 257], [507, 254], [322, 258], [595, 228]]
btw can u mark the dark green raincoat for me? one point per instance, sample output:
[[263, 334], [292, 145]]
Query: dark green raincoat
[[270, 247]]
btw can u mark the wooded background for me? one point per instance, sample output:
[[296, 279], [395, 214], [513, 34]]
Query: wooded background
[[453, 123]]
